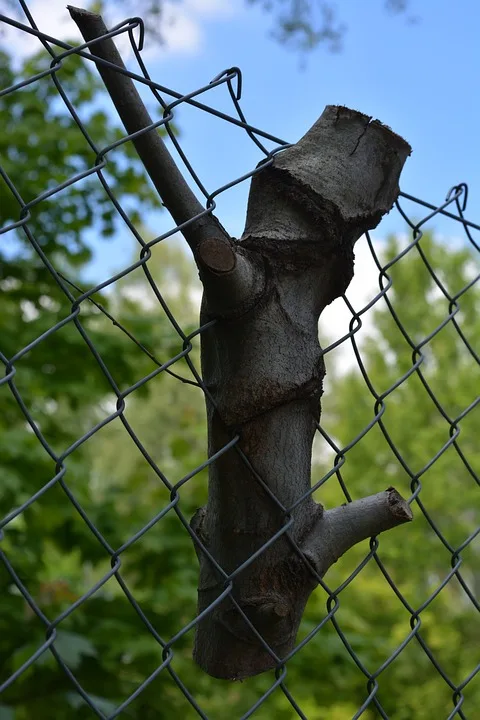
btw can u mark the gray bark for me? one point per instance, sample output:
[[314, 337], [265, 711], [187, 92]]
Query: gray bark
[[263, 367]]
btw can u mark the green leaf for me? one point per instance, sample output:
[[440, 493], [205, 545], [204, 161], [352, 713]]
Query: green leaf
[[7, 713], [73, 648]]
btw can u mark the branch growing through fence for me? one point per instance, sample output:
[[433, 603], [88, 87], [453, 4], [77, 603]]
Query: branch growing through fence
[[263, 365], [170, 184], [341, 528], [264, 369]]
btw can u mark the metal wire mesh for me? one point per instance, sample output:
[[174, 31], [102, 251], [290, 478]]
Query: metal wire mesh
[[453, 208]]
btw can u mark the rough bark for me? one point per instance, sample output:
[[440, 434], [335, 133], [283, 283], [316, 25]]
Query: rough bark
[[263, 367]]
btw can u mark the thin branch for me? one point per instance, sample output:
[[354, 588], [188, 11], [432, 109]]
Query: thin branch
[[175, 193], [337, 530]]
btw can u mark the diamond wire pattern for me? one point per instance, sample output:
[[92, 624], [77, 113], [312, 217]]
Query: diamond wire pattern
[[454, 208]]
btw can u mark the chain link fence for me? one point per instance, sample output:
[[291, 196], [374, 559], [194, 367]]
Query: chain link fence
[[454, 552]]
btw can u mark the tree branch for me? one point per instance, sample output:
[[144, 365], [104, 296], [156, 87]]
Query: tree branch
[[337, 530], [175, 193]]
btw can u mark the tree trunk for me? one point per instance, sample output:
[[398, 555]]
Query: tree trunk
[[262, 365]]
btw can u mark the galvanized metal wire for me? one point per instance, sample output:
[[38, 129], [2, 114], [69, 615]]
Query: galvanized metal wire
[[454, 208]]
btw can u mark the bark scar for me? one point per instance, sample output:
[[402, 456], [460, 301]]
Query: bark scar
[[369, 120]]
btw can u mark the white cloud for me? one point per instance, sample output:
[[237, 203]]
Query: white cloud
[[51, 17], [182, 32], [183, 25]]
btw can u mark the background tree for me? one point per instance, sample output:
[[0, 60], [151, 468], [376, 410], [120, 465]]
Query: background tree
[[59, 380], [449, 489], [111, 652]]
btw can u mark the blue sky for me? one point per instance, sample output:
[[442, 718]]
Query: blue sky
[[420, 78]]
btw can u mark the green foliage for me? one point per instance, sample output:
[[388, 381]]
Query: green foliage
[[59, 380], [44, 148], [105, 642], [57, 556], [372, 617]]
